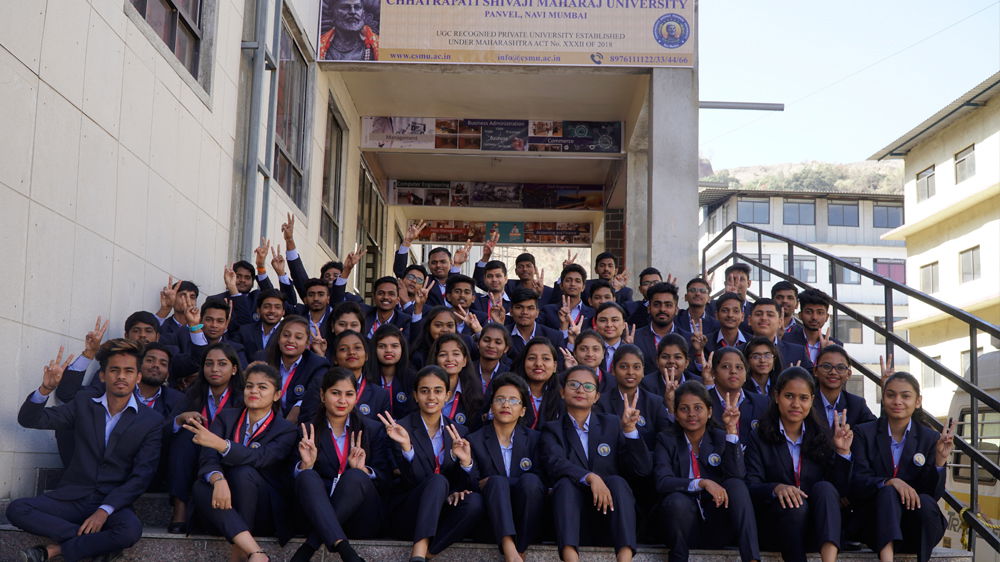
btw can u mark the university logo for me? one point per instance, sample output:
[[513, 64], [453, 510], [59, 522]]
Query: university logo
[[255, 445], [364, 409], [919, 459], [299, 389], [400, 397], [525, 464], [604, 449], [754, 424], [671, 31], [460, 418], [641, 422], [714, 459]]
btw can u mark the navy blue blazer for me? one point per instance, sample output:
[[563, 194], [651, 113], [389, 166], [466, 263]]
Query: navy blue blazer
[[752, 410], [622, 296], [637, 313], [770, 464], [305, 385], [120, 471], [653, 417], [517, 344], [545, 298], [712, 342], [873, 460], [377, 455], [645, 340], [251, 337], [399, 319], [481, 306], [790, 353], [797, 335], [549, 315], [489, 460], [423, 464], [857, 410], [609, 452], [708, 323], [718, 460]]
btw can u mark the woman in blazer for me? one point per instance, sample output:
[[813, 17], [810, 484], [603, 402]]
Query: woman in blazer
[[699, 472], [588, 351], [627, 366], [797, 472], [493, 344], [537, 364], [505, 454], [298, 366], [465, 407], [899, 473], [350, 350], [243, 459], [389, 367]]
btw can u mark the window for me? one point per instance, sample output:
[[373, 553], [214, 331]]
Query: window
[[329, 228], [966, 361], [371, 231], [753, 211], [799, 212], [846, 276], [989, 445], [888, 216], [892, 269], [804, 269], [929, 278], [290, 128], [178, 23], [931, 378], [925, 184], [842, 214], [849, 329], [969, 261], [880, 320], [965, 164], [756, 272]]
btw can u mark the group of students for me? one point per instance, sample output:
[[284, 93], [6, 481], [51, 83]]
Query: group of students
[[568, 413]]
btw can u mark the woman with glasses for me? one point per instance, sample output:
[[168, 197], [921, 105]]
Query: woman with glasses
[[832, 369], [505, 453], [765, 365], [588, 455]]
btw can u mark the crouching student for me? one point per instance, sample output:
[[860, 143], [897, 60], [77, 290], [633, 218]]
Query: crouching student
[[436, 504], [797, 473], [900, 474], [243, 462], [505, 454], [699, 470], [344, 459], [586, 453]]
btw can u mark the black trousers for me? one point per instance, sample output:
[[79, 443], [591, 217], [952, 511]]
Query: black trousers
[[886, 520], [251, 502], [182, 467], [575, 515], [354, 504], [60, 520], [422, 513], [515, 508], [686, 528], [796, 530]]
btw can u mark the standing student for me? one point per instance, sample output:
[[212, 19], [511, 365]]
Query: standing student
[[344, 459], [900, 474], [586, 454], [765, 319], [729, 314], [537, 365], [797, 473], [493, 344], [728, 370], [627, 366], [524, 326], [571, 286], [492, 278], [814, 312], [255, 336], [89, 514], [389, 367], [244, 453], [466, 404], [699, 472], [350, 351], [638, 311], [506, 454], [763, 364], [787, 296], [297, 365], [435, 503], [832, 371]]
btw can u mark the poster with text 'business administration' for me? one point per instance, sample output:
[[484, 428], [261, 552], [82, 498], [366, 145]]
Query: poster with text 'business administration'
[[638, 33]]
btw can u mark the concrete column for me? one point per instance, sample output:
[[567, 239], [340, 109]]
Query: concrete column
[[673, 172], [636, 212]]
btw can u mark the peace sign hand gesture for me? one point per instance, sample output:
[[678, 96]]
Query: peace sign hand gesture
[[460, 448], [92, 341], [52, 372], [565, 314], [707, 376], [462, 254], [698, 337], [570, 258], [497, 312], [307, 447], [317, 344], [671, 380], [260, 254], [628, 336], [824, 338], [630, 415], [945, 444], [619, 281], [278, 261], [168, 294], [358, 455], [353, 259], [843, 437], [489, 245], [731, 414], [412, 232], [421, 296], [395, 431], [887, 368], [568, 359]]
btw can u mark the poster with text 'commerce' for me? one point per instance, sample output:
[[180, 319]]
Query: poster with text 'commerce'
[[566, 197], [639, 33], [504, 135], [516, 233]]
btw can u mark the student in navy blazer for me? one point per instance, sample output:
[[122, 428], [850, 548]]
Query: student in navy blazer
[[298, 366], [89, 513], [662, 306], [350, 351], [439, 320], [255, 336], [506, 455], [588, 456], [765, 320], [466, 406], [729, 372], [588, 350], [345, 459], [832, 370], [492, 344], [900, 474], [389, 367], [673, 360], [523, 325], [814, 312], [797, 472], [699, 474], [538, 366], [435, 502], [627, 366], [763, 365]]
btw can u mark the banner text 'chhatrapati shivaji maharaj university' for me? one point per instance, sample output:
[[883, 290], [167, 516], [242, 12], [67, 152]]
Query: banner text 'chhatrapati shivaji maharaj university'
[[641, 33]]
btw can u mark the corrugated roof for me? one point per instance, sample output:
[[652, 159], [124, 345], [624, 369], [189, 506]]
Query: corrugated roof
[[714, 196]]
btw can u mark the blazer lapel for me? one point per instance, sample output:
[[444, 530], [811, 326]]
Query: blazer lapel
[[100, 419], [593, 438], [121, 427], [883, 445], [569, 432], [493, 449], [421, 440], [326, 448]]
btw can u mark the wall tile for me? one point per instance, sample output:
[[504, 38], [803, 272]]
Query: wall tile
[[163, 147], [128, 291], [48, 267], [19, 90], [57, 152], [64, 47], [102, 92], [14, 233], [207, 177], [90, 291], [184, 243], [130, 223], [97, 184], [161, 219], [112, 13], [189, 133], [136, 117], [21, 31]]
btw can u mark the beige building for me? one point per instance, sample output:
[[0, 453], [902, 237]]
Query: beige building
[[952, 228]]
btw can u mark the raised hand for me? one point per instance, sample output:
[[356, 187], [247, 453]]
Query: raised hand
[[278, 261], [288, 231], [630, 415], [307, 447], [229, 278], [536, 283], [204, 436], [317, 344], [260, 254], [168, 295], [462, 254], [570, 258], [353, 259], [887, 368], [413, 232], [395, 431], [489, 245], [945, 445], [420, 298], [628, 336], [620, 281], [731, 414], [707, 376], [671, 279], [460, 448], [471, 320], [824, 338], [191, 311], [52, 372], [698, 337], [497, 312], [565, 313], [358, 456], [92, 341], [843, 437], [568, 360], [671, 380], [574, 329]]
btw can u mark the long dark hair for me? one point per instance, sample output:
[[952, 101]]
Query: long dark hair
[[697, 389], [373, 370], [552, 404], [272, 376], [197, 395], [775, 366], [272, 354], [332, 349], [424, 339], [919, 415], [355, 421], [817, 444], [472, 399]]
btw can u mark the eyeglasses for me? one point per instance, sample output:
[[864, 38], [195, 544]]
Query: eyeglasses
[[698, 290], [414, 278], [767, 355], [647, 283], [841, 368], [502, 400], [577, 385]]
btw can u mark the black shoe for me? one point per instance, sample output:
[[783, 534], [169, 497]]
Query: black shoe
[[418, 559], [304, 553], [37, 553], [177, 528]]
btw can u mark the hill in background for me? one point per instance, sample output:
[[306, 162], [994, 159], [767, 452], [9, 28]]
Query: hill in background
[[856, 177]]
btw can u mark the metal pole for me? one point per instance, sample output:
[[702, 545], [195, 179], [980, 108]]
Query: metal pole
[[760, 272], [250, 188], [790, 266], [272, 108], [889, 322], [974, 434]]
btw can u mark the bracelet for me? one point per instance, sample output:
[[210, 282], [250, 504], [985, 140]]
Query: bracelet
[[219, 479], [261, 270], [196, 327]]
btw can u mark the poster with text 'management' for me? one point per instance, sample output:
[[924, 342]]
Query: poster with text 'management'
[[637, 33]]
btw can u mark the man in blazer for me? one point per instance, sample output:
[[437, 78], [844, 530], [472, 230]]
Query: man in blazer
[[765, 320], [255, 337], [89, 514], [662, 307], [814, 311]]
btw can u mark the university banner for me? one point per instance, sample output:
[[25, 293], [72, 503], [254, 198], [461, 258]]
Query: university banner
[[639, 33], [576, 197], [518, 135], [514, 233]]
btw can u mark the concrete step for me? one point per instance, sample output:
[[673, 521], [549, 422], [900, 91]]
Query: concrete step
[[156, 544]]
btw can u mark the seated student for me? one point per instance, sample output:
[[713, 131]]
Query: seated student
[[493, 280], [460, 295], [466, 405], [797, 472], [814, 313], [764, 365], [349, 351], [588, 351], [435, 503], [765, 319], [523, 325], [672, 360], [729, 314], [832, 372], [410, 284], [787, 296], [439, 321], [627, 366], [537, 365], [344, 459], [899, 474], [242, 484], [600, 292], [89, 514], [637, 312], [255, 337], [697, 314], [727, 370], [571, 285], [298, 367], [606, 268], [175, 299], [493, 343], [344, 316], [386, 310], [219, 386], [609, 322], [239, 281], [210, 325], [699, 472], [662, 310], [328, 273], [389, 367], [315, 306], [586, 453], [505, 452]]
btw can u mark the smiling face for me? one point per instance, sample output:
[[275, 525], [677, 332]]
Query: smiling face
[[524, 313], [539, 363], [610, 324], [260, 392], [697, 294], [672, 357], [495, 280], [439, 264], [317, 298], [693, 413], [121, 374], [606, 269], [292, 340], [761, 359], [218, 369], [451, 357], [443, 323], [580, 390], [350, 353], [244, 279], [662, 309], [386, 297], [832, 371], [271, 310], [730, 314], [461, 295], [764, 320], [600, 296], [347, 321], [339, 399], [572, 284], [628, 371], [214, 321], [589, 352], [142, 333], [492, 345], [389, 350], [524, 270], [814, 316], [503, 408], [430, 394], [794, 401], [900, 399], [787, 300]]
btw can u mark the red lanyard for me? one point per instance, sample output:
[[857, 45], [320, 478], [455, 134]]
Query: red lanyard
[[341, 457], [263, 427], [222, 403], [361, 387], [454, 405], [150, 403], [798, 472], [694, 464], [534, 408], [288, 381], [895, 465], [375, 326]]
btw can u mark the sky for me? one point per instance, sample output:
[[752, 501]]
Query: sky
[[853, 75]]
